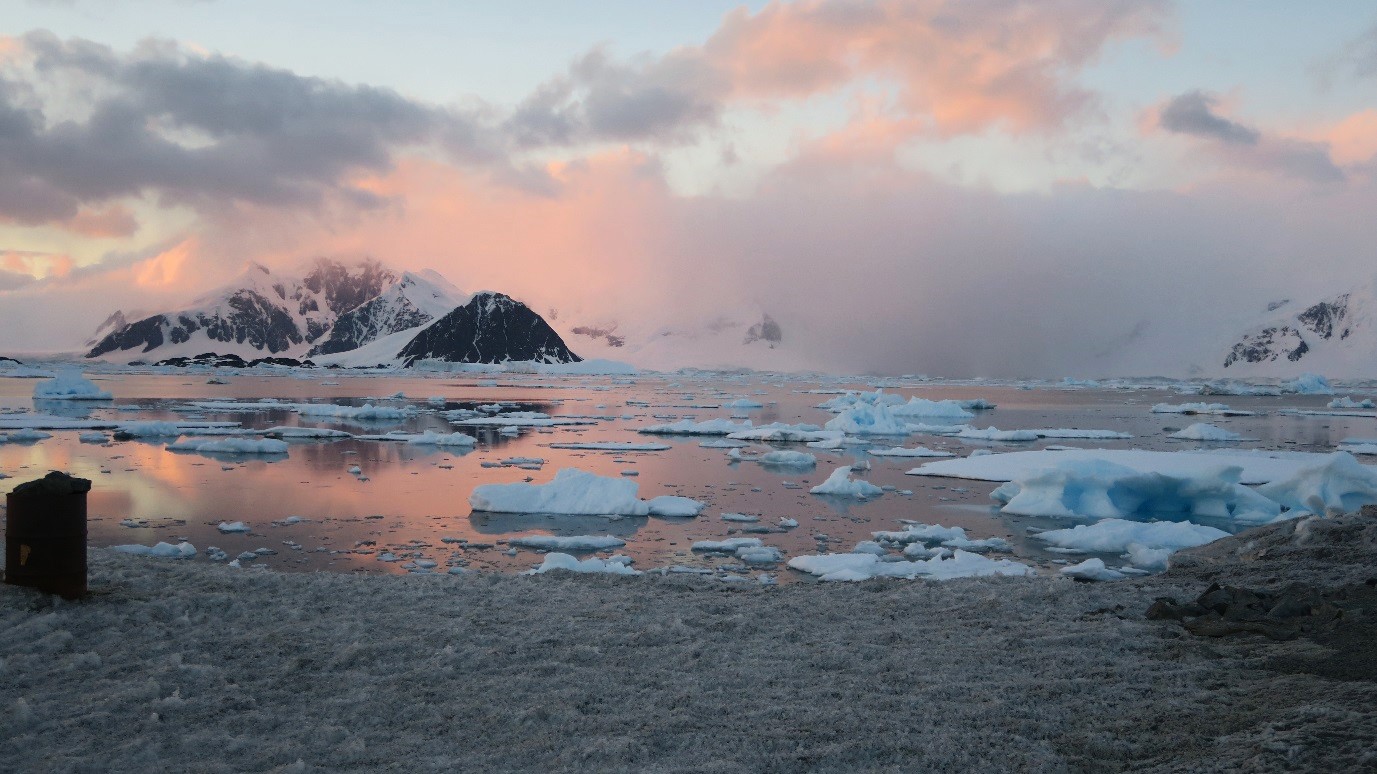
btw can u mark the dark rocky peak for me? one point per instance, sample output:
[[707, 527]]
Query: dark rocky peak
[[490, 328], [766, 330], [1327, 317]]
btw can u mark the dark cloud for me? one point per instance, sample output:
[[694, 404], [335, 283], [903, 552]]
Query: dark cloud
[[1194, 113], [201, 131], [601, 100]]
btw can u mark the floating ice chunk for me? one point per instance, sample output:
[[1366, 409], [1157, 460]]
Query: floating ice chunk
[[575, 543], [869, 547], [228, 527], [354, 470], [899, 451], [366, 412], [1092, 569], [864, 419], [739, 517], [673, 506], [1258, 466], [744, 403], [69, 384], [1104, 490], [788, 523], [1199, 408], [728, 546], [995, 434], [788, 459], [230, 446], [297, 432], [855, 567], [848, 399], [759, 555], [27, 434], [690, 427], [841, 484], [1337, 484], [182, 550], [575, 491], [94, 437], [779, 432], [1072, 432], [1118, 535], [1309, 384], [432, 438], [1347, 402], [932, 409], [921, 533], [723, 443], [619, 446], [616, 565], [1204, 431], [981, 546]]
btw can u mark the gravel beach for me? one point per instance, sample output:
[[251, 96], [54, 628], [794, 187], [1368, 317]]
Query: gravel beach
[[176, 665]]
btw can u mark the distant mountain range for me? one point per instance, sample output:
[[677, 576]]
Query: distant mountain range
[[351, 314]]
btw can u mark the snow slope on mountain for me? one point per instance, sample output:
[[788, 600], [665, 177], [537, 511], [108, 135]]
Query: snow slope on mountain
[[1335, 336], [414, 301]]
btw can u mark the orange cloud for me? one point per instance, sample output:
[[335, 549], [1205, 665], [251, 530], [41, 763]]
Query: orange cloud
[[114, 221], [167, 269], [35, 264], [1354, 139], [964, 66]]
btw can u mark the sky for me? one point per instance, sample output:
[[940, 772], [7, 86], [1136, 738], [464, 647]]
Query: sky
[[985, 187]]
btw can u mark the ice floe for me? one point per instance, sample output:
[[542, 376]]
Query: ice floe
[[857, 567], [933, 409], [1204, 431], [1120, 535], [1092, 569], [1336, 484], [615, 565], [840, 484], [865, 419], [788, 459], [69, 385], [230, 446], [1219, 409], [900, 451], [1258, 466], [579, 492], [575, 543], [690, 427], [618, 446]]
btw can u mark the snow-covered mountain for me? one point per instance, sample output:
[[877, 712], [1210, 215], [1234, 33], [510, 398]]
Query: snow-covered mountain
[[360, 313], [259, 313], [411, 302], [1335, 336]]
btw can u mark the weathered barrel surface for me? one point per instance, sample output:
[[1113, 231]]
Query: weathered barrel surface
[[45, 535]]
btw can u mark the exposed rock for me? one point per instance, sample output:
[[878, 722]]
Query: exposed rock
[[766, 330], [490, 328]]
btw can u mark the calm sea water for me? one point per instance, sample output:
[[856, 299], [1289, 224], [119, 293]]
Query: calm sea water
[[410, 499]]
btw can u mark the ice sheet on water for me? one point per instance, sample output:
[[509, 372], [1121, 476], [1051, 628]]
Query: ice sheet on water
[[267, 446], [578, 492], [1204, 431], [1258, 466], [1220, 409], [1118, 535], [574, 543], [865, 419], [899, 451], [690, 427], [182, 550]]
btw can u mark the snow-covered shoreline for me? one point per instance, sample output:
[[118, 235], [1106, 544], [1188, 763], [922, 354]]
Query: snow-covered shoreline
[[196, 666]]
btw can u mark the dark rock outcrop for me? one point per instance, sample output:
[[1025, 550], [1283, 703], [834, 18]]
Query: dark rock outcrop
[[490, 328]]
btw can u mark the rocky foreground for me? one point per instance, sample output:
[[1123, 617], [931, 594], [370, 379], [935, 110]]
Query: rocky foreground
[[1258, 655]]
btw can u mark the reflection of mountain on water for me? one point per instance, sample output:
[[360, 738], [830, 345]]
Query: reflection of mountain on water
[[486, 523], [226, 457]]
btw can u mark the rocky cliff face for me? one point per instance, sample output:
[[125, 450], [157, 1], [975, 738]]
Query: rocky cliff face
[[490, 328], [1292, 337]]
